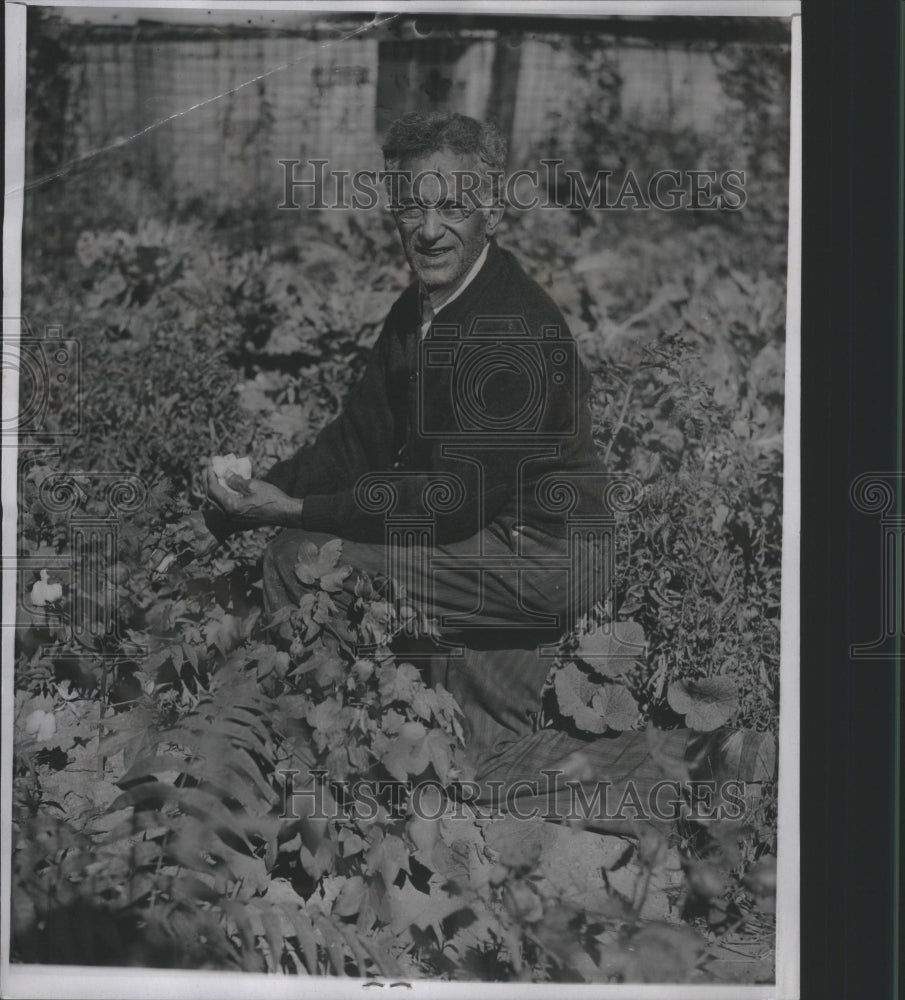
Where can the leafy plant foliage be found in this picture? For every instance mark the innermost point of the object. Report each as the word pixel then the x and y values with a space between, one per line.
pixel 193 806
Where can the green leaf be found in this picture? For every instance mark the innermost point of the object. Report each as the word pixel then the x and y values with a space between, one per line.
pixel 574 693
pixel 190 653
pixel 706 704
pixel 327 665
pixel 321 861
pixel 290 904
pixel 251 957
pixel 350 897
pixel 411 907
pixel 224 634
pixel 307 567
pixel 351 843
pixel 337 763
pixel 320 565
pixel 392 721
pixel 616 706
pixel 376 621
pixel 398 683
pixel 294 706
pixel 388 857
pixel 274 934
pixel 520 843
pixel 613 649
pixel 306 609
pixel 333 580
pixel 438 748
pixel 424 702
pixel 324 609
pixel 325 715
pixel 404 757
pixel 447 706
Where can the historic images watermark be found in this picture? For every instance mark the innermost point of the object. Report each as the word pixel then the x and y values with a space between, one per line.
pixel 552 186
pixel 74 593
pixel 46 367
pixel 881 493
pixel 317 798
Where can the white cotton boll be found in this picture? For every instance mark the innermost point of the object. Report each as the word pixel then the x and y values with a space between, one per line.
pixel 33 722
pixel 220 463
pixel 224 466
pixel 44 592
pixel 40 724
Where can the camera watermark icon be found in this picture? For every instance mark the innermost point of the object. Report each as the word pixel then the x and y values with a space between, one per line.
pixel 47 370
pixel 87 574
pixel 881 493
pixel 498 382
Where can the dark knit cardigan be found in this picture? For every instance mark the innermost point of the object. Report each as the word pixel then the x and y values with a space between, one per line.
pixel 401 417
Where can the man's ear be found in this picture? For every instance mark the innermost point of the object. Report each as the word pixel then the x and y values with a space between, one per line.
pixel 493 219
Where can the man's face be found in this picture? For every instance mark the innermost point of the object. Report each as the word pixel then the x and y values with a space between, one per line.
pixel 439 247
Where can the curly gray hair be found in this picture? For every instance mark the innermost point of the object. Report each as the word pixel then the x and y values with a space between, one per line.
pixel 416 134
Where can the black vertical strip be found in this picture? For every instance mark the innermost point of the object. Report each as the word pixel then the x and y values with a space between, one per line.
pixel 850 387
pixel 873 445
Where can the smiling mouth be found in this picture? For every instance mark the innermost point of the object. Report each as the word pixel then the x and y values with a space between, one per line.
pixel 433 252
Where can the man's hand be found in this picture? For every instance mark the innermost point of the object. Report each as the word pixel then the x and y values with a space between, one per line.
pixel 254 502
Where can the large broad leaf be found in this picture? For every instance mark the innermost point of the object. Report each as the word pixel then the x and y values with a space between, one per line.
pixel 223 632
pixel 616 706
pixel 404 757
pixel 410 907
pixel 321 861
pixel 320 565
pixel 706 704
pixel 613 649
pixel 388 856
pixel 520 843
pixel 438 747
pixel 326 663
pixel 325 716
pixel 350 897
pixel 398 683
pixel 574 694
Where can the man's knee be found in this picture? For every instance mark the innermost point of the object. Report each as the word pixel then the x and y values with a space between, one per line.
pixel 282 553
pixel 281 585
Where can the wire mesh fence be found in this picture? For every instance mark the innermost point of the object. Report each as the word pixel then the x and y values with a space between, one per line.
pixel 206 114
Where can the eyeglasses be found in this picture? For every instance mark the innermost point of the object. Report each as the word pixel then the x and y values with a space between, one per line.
pixel 447 212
